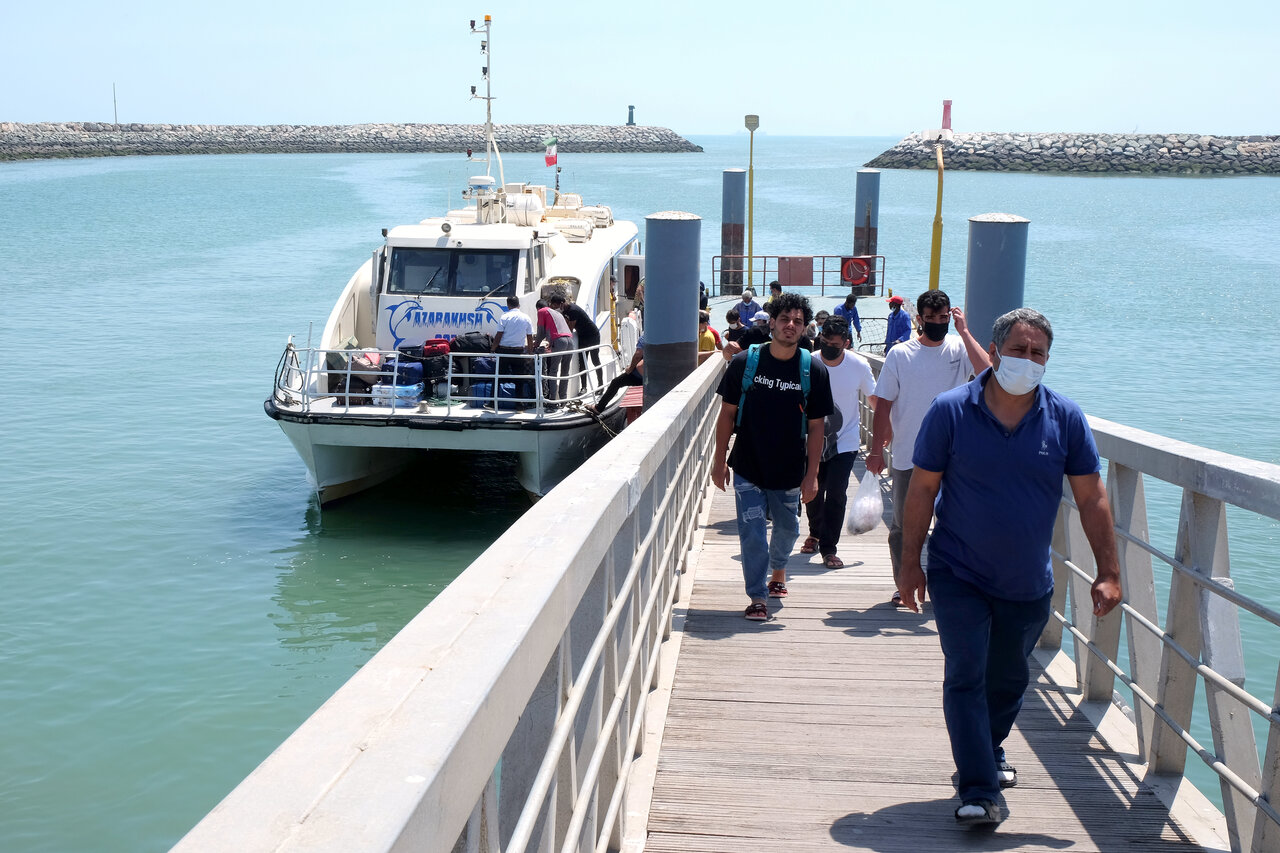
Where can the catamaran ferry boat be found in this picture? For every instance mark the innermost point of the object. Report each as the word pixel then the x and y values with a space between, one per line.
pixel 405 364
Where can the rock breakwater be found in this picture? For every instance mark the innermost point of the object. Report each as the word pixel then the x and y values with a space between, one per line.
pixel 92 139
pixel 1147 153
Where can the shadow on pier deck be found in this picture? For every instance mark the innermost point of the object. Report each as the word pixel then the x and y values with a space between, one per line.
pixel 822 729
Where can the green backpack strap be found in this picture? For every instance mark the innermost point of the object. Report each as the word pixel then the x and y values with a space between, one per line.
pixel 749 375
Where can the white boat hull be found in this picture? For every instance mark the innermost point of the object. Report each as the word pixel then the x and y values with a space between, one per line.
pixel 345 458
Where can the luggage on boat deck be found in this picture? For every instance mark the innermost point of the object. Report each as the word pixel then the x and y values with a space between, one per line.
pixel 354 392
pixel 484 390
pixel 483 365
pixel 435 346
pixel 474 341
pixel 403 395
pixel 404 372
pixel 435 367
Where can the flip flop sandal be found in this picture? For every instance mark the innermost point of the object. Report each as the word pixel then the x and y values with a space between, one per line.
pixel 757 612
pixel 777 589
pixel 1007 774
pixel 831 561
pixel 810 546
pixel 978 813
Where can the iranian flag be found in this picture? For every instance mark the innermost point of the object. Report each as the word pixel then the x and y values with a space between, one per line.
pixel 550 143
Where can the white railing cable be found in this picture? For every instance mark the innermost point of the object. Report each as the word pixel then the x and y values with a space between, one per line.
pixel 1238 693
pixel 690 489
pixel 1209 758
pixel 549 767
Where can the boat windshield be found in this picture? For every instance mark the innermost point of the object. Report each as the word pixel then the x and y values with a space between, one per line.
pixel 454 272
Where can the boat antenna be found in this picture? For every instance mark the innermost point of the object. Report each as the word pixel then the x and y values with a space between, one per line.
pixel 490 144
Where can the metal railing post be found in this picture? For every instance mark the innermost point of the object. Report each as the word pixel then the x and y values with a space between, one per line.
pixel 1129 507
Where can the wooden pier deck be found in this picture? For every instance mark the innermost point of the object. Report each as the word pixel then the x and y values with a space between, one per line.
pixel 822 729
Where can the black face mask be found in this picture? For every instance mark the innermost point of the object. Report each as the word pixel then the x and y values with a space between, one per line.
pixel 831 351
pixel 935 331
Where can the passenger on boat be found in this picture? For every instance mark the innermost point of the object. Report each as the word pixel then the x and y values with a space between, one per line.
pixel 704 298
pixel 708 338
pixel 634 375
pixel 588 334
pixel 748 307
pixel 516 328
pixel 993 454
pixel 850 375
pixel 849 311
pixel 774 400
pixel 899 326
pixel 554 329
pixel 913 374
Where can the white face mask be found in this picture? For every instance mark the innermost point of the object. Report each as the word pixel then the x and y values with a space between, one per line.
pixel 1018 376
pixel 735 325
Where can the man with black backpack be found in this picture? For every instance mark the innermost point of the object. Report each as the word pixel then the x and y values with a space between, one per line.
pixel 774 399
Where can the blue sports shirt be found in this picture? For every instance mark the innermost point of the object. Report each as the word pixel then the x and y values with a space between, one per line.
pixel 1000 489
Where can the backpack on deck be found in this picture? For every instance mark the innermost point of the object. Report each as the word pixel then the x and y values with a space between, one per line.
pixel 749 375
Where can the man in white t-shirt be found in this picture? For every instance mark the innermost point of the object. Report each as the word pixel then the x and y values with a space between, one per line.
pixel 849 374
pixel 914 373
pixel 515 338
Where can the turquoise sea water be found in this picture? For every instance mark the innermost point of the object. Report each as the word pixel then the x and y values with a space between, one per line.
pixel 176 602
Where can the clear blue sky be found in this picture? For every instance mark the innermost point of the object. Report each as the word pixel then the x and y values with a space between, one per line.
pixel 696 66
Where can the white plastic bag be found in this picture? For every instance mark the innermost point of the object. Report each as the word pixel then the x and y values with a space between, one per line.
pixel 867 507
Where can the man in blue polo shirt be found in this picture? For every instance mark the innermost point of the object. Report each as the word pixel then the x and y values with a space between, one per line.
pixel 993 453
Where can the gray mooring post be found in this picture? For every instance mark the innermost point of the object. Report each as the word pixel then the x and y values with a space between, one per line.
pixel 996 272
pixel 866 216
pixel 673 244
pixel 733 217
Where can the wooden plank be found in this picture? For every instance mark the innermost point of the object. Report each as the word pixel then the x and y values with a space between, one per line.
pixel 822 729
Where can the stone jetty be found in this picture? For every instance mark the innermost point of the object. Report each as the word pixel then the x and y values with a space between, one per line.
pixel 92 139
pixel 1141 153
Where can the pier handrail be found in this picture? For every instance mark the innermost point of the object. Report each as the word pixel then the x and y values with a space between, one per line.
pixel 1200 642
pixel 507 714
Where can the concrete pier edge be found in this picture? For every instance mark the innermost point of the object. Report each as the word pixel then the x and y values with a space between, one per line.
pixel 1107 153
pixel 47 140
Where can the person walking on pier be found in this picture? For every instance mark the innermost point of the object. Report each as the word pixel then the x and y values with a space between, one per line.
pixel 748 307
pixel 898 329
pixel 993 454
pixel 849 374
pixel 849 311
pixel 774 399
pixel 913 374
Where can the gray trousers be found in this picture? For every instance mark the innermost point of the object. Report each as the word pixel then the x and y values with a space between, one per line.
pixel 901 480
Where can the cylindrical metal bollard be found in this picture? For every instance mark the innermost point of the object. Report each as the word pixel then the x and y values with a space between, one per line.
pixel 866 216
pixel 733 217
pixel 996 273
pixel 673 243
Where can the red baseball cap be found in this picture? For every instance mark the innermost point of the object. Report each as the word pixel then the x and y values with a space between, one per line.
pixel 895 300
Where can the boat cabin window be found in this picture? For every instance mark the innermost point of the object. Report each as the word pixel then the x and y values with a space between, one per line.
pixel 454 272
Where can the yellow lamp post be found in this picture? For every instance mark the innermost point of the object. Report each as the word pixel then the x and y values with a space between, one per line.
pixel 752 123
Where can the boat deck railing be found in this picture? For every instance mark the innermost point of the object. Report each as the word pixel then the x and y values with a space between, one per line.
pixel 307 380
pixel 509 714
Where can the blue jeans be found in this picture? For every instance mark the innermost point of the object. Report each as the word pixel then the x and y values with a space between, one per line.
pixel 760 553
pixel 986 642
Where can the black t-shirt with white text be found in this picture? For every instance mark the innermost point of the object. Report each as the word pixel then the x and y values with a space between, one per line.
pixel 770 450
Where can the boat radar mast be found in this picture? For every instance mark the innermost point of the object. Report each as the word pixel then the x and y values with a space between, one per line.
pixel 490 144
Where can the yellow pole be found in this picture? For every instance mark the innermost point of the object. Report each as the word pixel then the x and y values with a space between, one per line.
pixel 751 192
pixel 935 255
pixel 752 122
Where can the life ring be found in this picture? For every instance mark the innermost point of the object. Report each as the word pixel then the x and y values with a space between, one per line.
pixel 855 271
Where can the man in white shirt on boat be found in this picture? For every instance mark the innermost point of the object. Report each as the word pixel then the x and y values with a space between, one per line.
pixel 914 373
pixel 516 329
